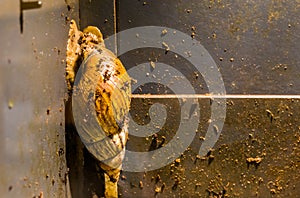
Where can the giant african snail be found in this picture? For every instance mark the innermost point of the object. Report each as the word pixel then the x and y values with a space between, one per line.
pixel 101 99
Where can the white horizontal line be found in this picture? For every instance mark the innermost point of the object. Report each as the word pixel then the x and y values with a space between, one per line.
pixel 233 96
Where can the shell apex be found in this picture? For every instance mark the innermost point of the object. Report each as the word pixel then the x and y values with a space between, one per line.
pixel 95 31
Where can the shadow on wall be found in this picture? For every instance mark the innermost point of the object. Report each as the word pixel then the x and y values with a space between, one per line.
pixel 85 176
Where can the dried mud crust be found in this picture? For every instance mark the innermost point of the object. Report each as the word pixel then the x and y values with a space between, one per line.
pixel 79 45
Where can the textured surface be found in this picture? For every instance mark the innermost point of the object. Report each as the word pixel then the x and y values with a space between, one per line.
pixel 32 93
pixel 256 46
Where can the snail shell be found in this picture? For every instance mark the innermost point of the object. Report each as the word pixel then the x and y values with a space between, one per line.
pixel 100 107
pixel 101 97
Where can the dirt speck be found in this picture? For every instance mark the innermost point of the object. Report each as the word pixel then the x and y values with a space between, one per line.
pixel 48 111
pixel 141 185
pixel 253 161
pixel 164 32
pixel 157 178
pixel 152 64
pixel 193 34
pixel 214 35
pixel 166 47
pixel 188 11
pixel 270 115
pixel 10 104
pixel 157 189
pixel 177 162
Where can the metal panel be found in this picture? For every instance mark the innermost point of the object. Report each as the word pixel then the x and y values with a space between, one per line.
pixel 256 47
pixel 32 136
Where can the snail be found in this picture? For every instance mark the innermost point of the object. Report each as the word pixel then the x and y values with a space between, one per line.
pixel 100 89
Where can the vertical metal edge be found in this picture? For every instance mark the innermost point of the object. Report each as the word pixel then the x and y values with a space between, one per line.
pixel 73 14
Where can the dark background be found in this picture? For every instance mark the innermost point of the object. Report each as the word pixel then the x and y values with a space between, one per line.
pixel 256 47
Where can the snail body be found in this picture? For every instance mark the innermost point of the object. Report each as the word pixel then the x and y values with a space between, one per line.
pixel 100 100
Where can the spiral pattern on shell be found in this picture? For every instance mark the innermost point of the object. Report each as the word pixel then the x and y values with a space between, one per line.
pixel 100 95
pixel 104 102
